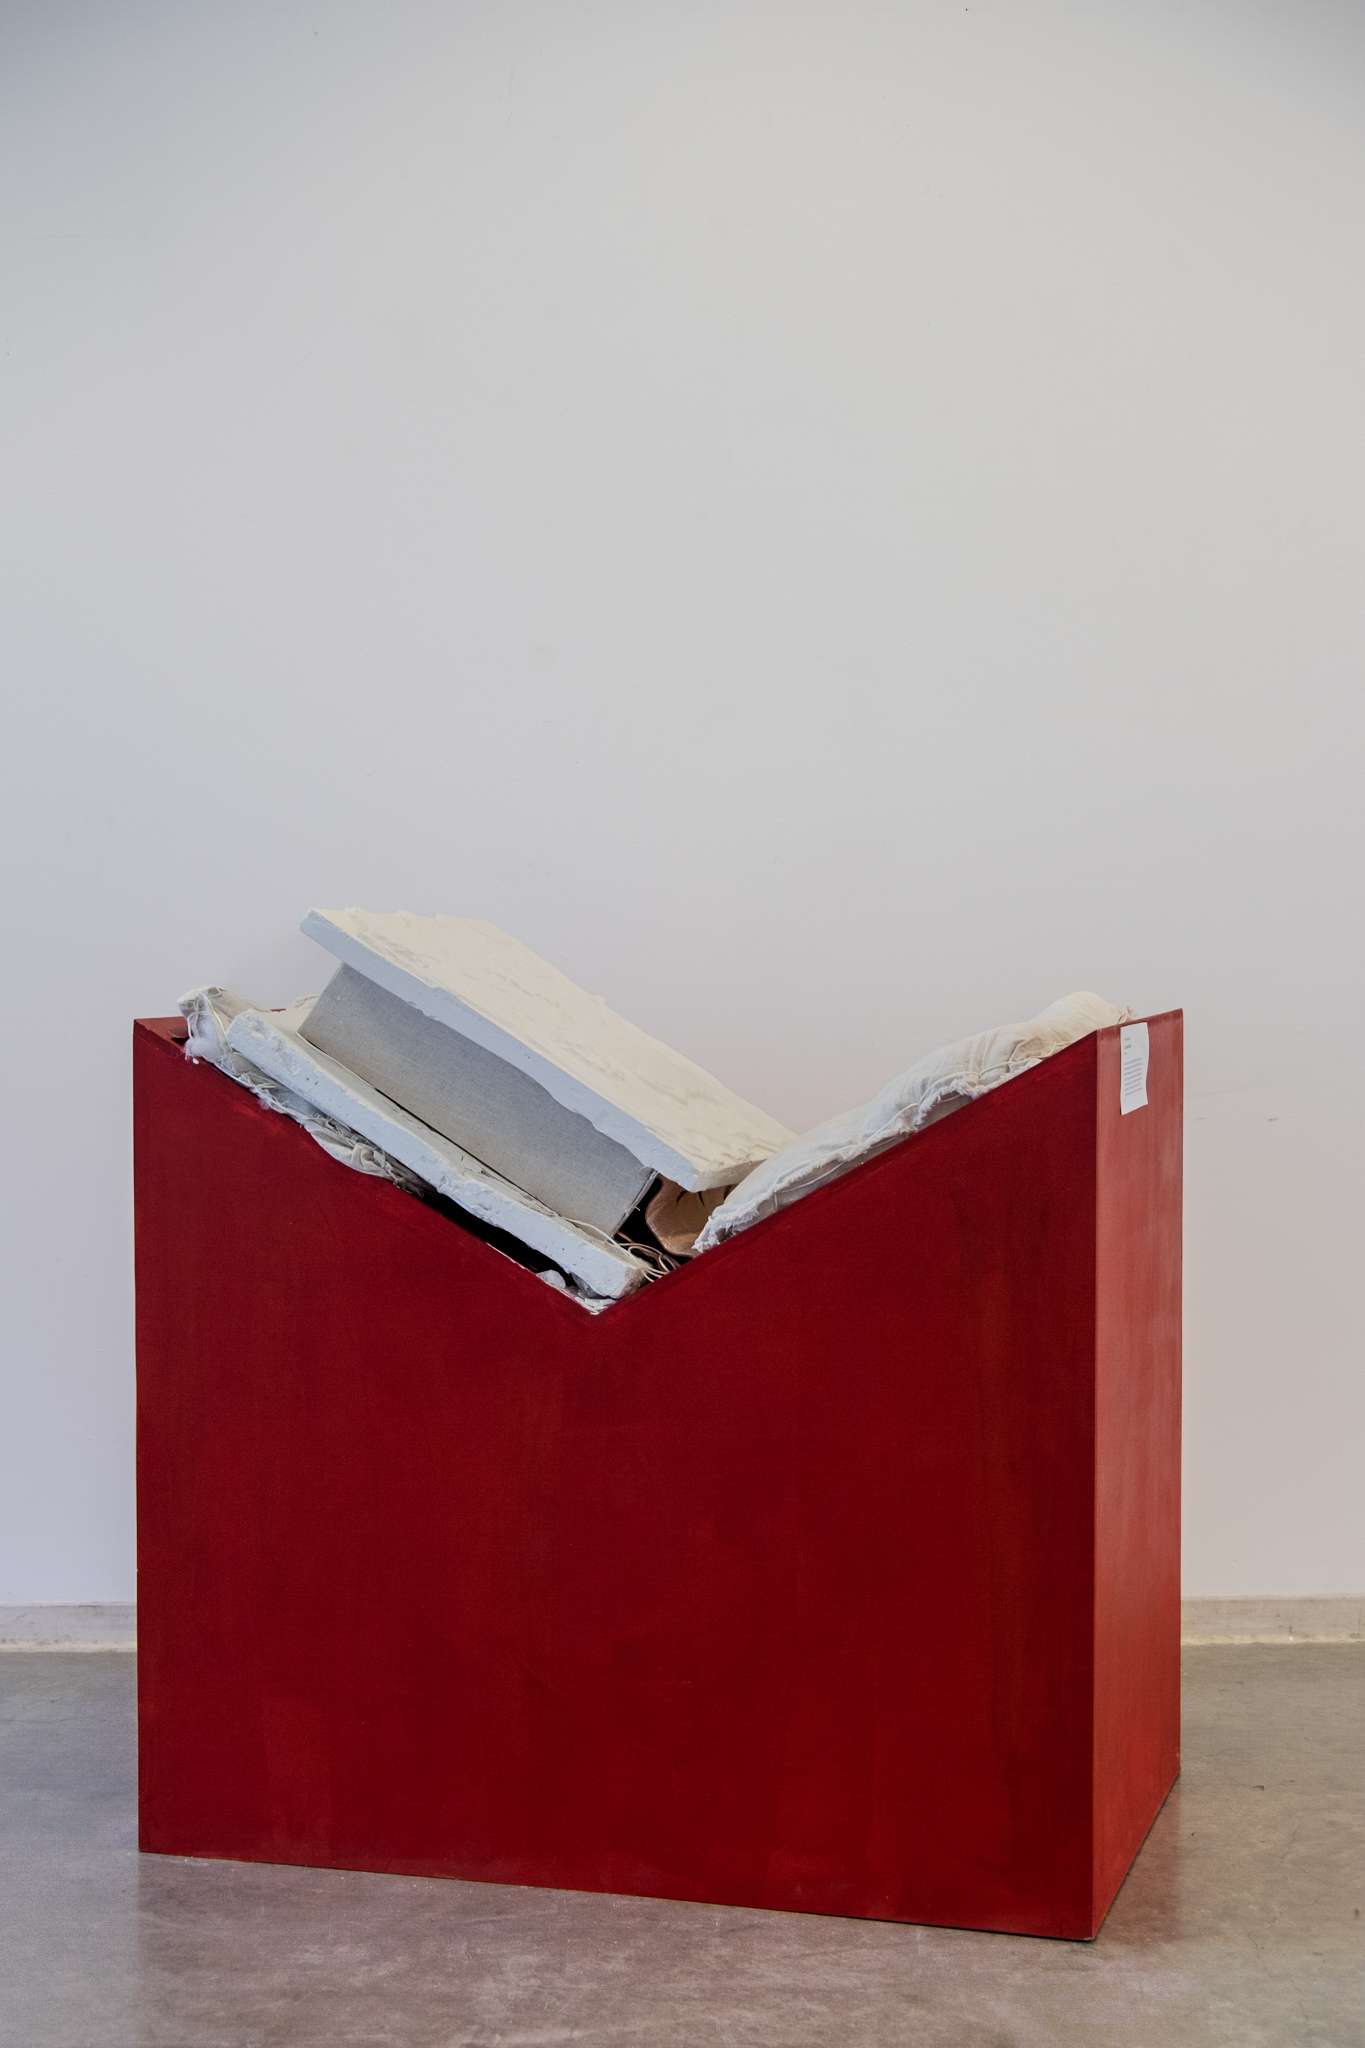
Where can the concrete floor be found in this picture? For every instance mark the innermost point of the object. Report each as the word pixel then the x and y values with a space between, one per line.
pixel 1240 1922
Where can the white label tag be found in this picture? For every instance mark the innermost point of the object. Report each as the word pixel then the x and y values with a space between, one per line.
pixel 1132 1068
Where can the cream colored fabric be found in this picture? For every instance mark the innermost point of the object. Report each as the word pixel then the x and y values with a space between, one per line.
pixel 932 1088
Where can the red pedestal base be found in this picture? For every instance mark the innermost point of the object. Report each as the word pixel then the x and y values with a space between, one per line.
pixel 837 1572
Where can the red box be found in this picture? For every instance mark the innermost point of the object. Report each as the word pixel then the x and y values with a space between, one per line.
pixel 837 1572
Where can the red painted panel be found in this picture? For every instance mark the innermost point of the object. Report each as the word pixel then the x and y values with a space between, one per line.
pixel 775 1585
pixel 1137 1462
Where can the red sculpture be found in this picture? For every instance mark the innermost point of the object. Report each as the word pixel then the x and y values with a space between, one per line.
pixel 837 1571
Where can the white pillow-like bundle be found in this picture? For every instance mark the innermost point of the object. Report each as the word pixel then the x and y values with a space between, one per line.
pixel 933 1087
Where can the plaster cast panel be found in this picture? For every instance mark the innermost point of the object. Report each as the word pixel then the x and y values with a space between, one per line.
pixel 672 1115
pixel 486 1105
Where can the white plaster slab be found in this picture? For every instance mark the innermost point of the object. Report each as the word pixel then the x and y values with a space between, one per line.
pixel 270 1040
pixel 672 1115
pixel 483 1104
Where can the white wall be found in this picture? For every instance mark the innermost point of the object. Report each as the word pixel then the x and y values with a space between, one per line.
pixel 835 522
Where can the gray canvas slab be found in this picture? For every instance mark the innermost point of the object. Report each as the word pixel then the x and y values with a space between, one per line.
pixel 466 974
pixel 470 1095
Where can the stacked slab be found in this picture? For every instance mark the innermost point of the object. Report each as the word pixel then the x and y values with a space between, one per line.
pixel 537 1087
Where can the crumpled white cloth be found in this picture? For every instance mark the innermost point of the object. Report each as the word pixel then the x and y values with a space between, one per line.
pixel 932 1088
pixel 208 1012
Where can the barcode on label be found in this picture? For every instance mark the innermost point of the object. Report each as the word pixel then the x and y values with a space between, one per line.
pixel 1132 1068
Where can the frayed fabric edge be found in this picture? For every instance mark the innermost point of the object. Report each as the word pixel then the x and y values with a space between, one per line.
pixel 843 1161
pixel 856 1151
pixel 208 1012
